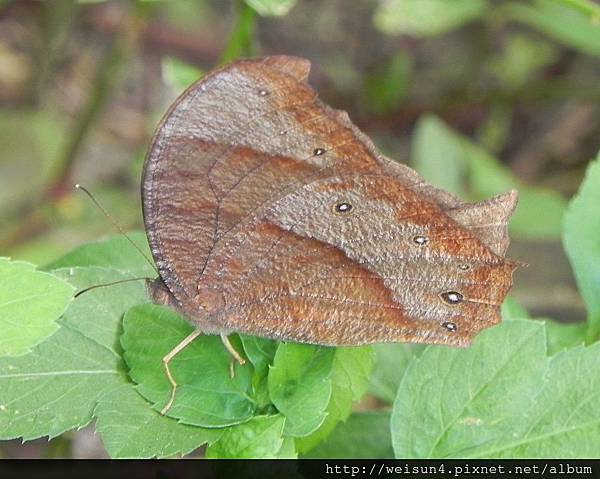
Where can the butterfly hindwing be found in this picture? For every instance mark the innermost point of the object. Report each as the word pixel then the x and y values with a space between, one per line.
pixel 270 213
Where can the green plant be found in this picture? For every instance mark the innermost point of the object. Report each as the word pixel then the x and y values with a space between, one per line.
pixel 98 357
pixel 526 388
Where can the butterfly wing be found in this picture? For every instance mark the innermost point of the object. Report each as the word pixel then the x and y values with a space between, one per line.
pixel 232 143
pixel 240 194
pixel 393 268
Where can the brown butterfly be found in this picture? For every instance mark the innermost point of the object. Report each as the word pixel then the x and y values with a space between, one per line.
pixel 269 213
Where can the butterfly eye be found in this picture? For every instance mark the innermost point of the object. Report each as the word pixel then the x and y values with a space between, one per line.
pixel 343 207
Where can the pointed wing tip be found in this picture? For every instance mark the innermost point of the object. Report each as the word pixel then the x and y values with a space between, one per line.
pixel 508 199
pixel 513 197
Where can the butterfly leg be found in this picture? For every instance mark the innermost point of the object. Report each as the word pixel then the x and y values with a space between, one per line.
pixel 167 359
pixel 234 354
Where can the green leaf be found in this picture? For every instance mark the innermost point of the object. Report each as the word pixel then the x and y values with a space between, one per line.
pixel 206 394
pixel 179 74
pixel 424 18
pixel 539 213
pixel 570 26
pixel 437 155
pixel 349 381
pixel 56 387
pixel 272 8
pixel 494 132
pixel 588 7
pixel 365 435
pixel 288 449
pixel 501 397
pixel 560 336
pixel 259 438
pixel 300 386
pixel 97 313
pixel 511 309
pixel 564 418
pixel 260 352
pixel 391 361
pixel 113 252
pixel 30 303
pixel 581 233
pixel 241 41
pixel 473 395
pixel 385 89
pixel 131 429
pixel 563 336
pixel 522 56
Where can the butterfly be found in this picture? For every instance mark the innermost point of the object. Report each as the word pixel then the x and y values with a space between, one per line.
pixel 269 213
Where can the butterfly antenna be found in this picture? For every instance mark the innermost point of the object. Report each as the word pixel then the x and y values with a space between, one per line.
pixel 85 290
pixel 116 225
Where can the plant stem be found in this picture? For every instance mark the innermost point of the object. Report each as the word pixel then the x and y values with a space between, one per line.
pixel 241 41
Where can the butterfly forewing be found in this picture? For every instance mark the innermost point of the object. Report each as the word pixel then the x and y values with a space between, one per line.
pixel 271 214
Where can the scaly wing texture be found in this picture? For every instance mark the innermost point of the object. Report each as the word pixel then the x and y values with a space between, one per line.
pixel 230 145
pixel 240 192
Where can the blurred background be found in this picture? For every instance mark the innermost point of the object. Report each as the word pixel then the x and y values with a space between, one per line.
pixel 480 96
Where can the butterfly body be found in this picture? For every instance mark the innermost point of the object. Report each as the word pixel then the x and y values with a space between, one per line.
pixel 271 214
